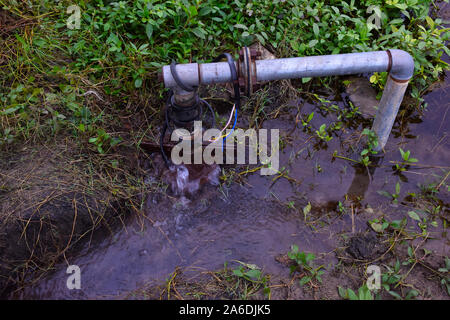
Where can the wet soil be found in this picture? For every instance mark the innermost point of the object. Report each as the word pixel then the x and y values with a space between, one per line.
pixel 46 208
pixel 256 219
pixel 259 218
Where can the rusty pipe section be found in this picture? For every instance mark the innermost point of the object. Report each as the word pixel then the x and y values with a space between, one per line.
pixel 398 63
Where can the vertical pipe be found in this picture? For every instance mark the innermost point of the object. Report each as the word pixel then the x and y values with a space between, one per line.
pixel 387 109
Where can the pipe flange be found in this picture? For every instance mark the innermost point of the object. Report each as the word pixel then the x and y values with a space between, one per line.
pixel 245 66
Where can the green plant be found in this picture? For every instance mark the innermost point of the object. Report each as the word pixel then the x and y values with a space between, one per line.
pixel 121 45
pixel 406 160
pixel 103 141
pixel 304 261
pixel 445 281
pixel 341 208
pixel 421 222
pixel 305 123
pixel 363 293
pixel 392 279
pixel 372 143
pixel 379 79
pixel 380 225
pixel 393 196
pixel 322 133
pixel 251 279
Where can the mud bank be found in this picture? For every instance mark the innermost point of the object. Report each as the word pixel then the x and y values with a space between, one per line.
pixel 48 203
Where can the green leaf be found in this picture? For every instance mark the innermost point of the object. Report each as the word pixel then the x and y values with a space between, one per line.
pixel 343 293
pixel 312 43
pixel 316 29
pixel 396 224
pixel 307 209
pixel 254 274
pixel 397 188
pixel 205 11
pixel 240 26
pixel 11 110
pixel 377 227
pixel 414 215
pixel 304 280
pixel 193 11
pixel 310 257
pixel 352 295
pixel 199 32
pixel 238 272
pixel 410 252
pixel 322 127
pixel 138 82
pixel 412 294
pixel 149 30
pixel 395 295
pixel 306 79
pixel 384 193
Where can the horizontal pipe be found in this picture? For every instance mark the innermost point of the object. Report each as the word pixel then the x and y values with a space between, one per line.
pixel 398 63
pixel 194 74
pixel 321 66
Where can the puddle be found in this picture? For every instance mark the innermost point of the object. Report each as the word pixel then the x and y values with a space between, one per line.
pixel 253 222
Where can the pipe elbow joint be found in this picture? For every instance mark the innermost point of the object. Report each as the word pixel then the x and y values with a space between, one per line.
pixel 402 65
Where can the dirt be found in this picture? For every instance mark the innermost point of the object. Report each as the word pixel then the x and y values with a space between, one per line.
pixel 185 236
pixel 256 219
pixel 46 208
pixel 8 23
pixel 363 95
pixel 363 247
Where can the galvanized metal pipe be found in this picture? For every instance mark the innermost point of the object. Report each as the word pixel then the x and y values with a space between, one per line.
pixel 398 63
pixel 321 66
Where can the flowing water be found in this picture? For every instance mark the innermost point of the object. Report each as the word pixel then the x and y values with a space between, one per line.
pixel 254 221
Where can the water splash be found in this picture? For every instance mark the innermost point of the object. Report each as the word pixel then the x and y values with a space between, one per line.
pixel 186 180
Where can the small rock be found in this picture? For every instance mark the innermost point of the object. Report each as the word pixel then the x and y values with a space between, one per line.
pixel 362 247
pixel 363 96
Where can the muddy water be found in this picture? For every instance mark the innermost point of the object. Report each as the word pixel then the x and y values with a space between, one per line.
pixel 255 221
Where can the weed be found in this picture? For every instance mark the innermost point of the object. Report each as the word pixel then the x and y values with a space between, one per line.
pixel 380 225
pixel 445 281
pixel 304 262
pixel 406 160
pixel 421 222
pixel 372 143
pixel 392 278
pixel 393 196
pixel 322 133
pixel 363 293
pixel 249 278
pixel 305 123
